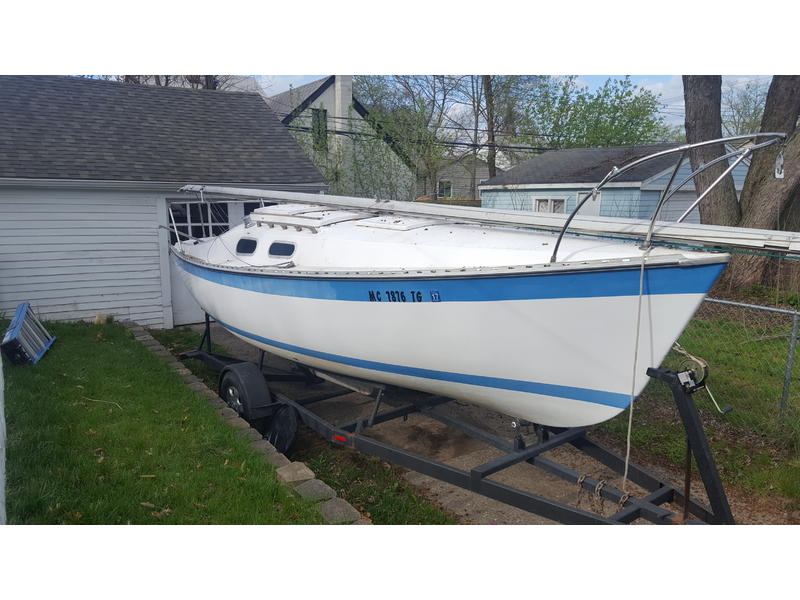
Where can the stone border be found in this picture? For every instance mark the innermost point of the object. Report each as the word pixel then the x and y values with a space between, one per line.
pixel 295 475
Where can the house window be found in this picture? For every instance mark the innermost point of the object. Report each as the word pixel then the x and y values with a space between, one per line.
pixel 319 129
pixel 550 205
pixel 445 188
pixel 198 220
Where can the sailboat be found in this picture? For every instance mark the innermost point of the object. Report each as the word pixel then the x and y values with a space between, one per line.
pixel 552 319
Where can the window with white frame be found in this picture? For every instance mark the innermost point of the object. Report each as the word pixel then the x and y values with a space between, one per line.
pixel 550 205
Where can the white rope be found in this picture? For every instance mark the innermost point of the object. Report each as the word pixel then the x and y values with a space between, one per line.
pixel 635 369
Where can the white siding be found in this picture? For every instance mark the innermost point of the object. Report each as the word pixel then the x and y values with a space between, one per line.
pixel 74 254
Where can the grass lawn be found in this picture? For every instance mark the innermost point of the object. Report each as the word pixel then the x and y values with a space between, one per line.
pixel 369 484
pixel 754 449
pixel 101 431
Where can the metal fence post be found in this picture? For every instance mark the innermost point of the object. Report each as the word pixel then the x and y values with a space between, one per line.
pixel 787 378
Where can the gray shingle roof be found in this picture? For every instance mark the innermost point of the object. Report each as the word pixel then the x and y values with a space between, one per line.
pixel 586 165
pixel 54 127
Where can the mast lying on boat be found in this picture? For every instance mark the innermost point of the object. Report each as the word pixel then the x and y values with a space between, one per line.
pixel 714 236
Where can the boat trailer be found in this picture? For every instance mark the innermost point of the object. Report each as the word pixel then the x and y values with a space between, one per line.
pixel 243 385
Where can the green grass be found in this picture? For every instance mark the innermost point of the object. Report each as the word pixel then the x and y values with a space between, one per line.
pixel 369 484
pixel 101 431
pixel 755 450
pixel 376 488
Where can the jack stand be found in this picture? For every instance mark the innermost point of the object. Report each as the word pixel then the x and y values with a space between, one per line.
pixel 682 387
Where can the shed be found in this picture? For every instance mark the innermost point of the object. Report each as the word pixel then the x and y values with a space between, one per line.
pixel 87 171
pixel 554 181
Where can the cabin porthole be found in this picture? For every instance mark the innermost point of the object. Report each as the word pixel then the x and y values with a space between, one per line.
pixel 281 249
pixel 246 246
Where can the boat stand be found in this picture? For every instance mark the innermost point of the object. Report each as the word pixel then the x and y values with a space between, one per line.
pixel 649 507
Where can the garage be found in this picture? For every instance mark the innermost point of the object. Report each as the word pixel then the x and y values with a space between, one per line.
pixel 88 169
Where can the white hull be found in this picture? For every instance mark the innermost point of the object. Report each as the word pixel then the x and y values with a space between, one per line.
pixel 558 361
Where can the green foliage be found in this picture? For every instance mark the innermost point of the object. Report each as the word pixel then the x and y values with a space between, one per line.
pixel 101 431
pixel 358 163
pixel 753 448
pixel 562 115
pixel 373 486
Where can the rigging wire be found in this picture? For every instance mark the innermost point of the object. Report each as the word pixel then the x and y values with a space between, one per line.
pixel 635 369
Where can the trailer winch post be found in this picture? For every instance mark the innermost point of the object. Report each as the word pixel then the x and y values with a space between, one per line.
pixel 697 445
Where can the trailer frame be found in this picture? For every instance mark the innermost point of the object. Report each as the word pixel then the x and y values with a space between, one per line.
pixel 630 508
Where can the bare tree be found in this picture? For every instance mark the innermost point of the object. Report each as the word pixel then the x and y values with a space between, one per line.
pixel 743 106
pixel 207 82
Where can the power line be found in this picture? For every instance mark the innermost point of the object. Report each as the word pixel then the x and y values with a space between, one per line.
pixel 445 143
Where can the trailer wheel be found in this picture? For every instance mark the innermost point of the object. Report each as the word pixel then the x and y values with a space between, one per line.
pixel 242 387
pixel 282 428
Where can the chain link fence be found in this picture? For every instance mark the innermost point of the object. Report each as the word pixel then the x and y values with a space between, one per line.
pixel 751 353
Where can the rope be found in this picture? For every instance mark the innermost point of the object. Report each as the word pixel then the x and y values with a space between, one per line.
pixel 635 369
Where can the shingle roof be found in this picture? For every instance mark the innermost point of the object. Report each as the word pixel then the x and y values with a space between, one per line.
pixel 54 127
pixel 586 165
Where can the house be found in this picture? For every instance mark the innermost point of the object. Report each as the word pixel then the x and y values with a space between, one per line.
pixel 553 181
pixel 356 155
pixel 88 169
pixel 457 180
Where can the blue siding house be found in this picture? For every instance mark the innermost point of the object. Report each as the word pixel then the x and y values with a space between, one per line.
pixel 555 180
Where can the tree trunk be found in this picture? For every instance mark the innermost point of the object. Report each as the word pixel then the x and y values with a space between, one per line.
pixel 491 157
pixel 210 82
pixel 702 96
pixel 771 197
pixel 780 115
pixel 766 202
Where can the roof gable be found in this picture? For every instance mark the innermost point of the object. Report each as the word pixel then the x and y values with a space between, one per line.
pixel 74 128
pixel 290 104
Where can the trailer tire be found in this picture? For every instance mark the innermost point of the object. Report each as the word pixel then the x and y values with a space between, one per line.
pixel 243 388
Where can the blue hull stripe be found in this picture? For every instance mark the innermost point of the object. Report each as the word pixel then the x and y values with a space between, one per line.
pixel 532 387
pixel 588 284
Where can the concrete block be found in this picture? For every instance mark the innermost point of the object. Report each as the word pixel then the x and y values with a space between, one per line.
pixel 237 422
pixel 264 446
pixel 314 489
pixel 227 412
pixel 277 460
pixel 216 401
pixel 294 473
pixel 249 433
pixel 338 512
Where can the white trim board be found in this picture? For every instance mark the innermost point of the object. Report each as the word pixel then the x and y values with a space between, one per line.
pixel 548 186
